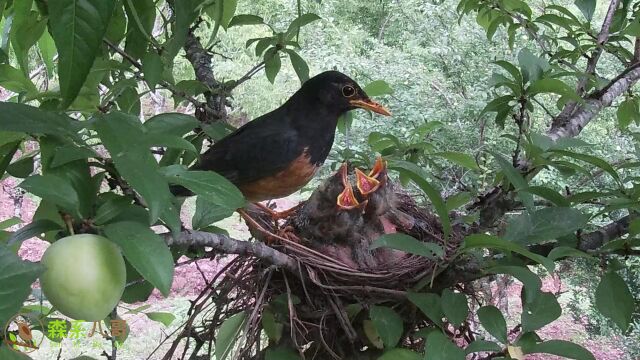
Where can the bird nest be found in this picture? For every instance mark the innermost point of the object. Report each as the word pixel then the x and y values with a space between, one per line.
pixel 329 237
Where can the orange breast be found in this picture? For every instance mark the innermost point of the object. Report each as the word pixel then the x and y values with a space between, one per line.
pixel 282 184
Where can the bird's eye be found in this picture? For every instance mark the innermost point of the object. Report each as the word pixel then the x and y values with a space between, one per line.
pixel 348 91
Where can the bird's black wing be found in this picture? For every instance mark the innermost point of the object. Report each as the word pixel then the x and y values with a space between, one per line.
pixel 259 149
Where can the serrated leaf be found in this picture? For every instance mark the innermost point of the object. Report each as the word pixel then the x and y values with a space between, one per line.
pixel 400 354
pixel 162 317
pixel 543 310
pixel 54 189
pixel 462 159
pixel 482 346
pixel 171 124
pixel 408 244
pixel 455 307
pixel 416 174
pixel 627 113
pixel 554 86
pixel 28 119
pixel 121 135
pixel 593 160
pixel 548 194
pixel 141 15
pixel 545 225
pixel 388 324
pixel 110 209
pixel 516 179
pixel 16 277
pixel 587 7
pixel 14 80
pixel 430 305
pixel 246 19
pixel 208 185
pixel 35 228
pixel 565 251
pixel 492 320
pixel 299 22
pixel 532 66
pixel 439 347
pixel 77 27
pixel 562 348
pixel 493 242
pixel 272 64
pixel 228 334
pixel 208 212
pixel 145 250
pixel 152 68
pixel 299 65
pixel 614 300
pixel 21 168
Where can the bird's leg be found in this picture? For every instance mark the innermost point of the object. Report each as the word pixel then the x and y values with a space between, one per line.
pixel 346 199
pixel 278 215
pixel 252 223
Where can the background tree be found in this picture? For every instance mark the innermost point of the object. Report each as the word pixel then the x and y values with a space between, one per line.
pixel 90 125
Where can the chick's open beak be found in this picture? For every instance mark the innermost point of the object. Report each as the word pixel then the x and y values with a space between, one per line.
pixel 371 105
pixel 346 199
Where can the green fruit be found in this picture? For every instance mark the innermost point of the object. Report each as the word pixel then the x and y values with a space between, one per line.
pixel 84 276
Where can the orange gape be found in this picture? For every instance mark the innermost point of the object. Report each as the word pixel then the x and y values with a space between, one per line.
pixel 283 183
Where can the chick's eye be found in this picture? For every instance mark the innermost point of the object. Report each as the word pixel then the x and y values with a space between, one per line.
pixel 348 91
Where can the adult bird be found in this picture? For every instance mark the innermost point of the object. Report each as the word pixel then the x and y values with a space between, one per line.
pixel 279 152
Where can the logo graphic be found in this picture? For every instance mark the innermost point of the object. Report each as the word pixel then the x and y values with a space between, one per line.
pixel 18 334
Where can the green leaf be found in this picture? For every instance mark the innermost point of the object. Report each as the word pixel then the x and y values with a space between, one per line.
pixel 516 179
pixel 554 86
pixel 439 347
pixel 464 160
pixel 36 228
pixel 595 161
pixel 493 321
pixel 543 310
pixel 400 354
pixel 208 212
pixel 246 19
pixel 162 317
pixel 548 194
pixel 69 153
pixel 455 307
pixel 110 209
pixel 77 27
pixel 587 7
pixel 614 300
pixel 634 227
pixel 299 65
pixel 489 241
pixel 416 174
pixel 21 168
pixel 545 225
pixel 145 250
pixel 121 135
pixel 529 280
pixel 228 334
pixel 27 119
pixel 208 185
pixel 531 65
pixel 511 69
pixel 430 305
pixel 296 24
pixel 482 346
pixel 378 88
pixel 171 124
pixel 388 324
pixel 281 353
pixel 562 348
pixel 271 326
pixel 408 244
pixel 627 113
pixel 565 251
pixel 54 189
pixel 16 277
pixel 186 12
pixel 142 16
pixel 14 80
pixel 152 68
pixel 272 64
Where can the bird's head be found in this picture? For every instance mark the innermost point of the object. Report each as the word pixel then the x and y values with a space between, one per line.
pixel 335 90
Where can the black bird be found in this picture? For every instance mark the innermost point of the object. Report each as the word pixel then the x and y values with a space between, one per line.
pixel 278 153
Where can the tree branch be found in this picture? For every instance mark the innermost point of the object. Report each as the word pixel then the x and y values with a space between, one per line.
pixel 612 231
pixel 229 245
pixel 594 104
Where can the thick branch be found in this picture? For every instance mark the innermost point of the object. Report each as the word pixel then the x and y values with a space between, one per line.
pixel 229 245
pixel 594 104
pixel 200 59
pixel 612 231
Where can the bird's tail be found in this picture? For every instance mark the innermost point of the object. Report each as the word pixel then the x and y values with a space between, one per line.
pixel 178 190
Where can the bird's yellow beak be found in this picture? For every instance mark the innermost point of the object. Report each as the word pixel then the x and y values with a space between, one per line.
pixel 371 105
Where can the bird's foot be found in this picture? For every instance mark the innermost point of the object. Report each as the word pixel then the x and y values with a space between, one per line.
pixel 288 233
pixel 269 237
pixel 278 215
